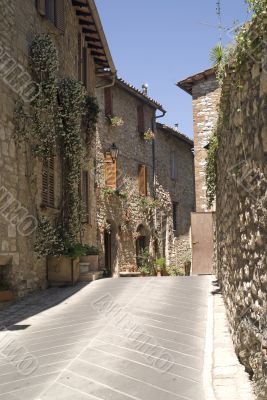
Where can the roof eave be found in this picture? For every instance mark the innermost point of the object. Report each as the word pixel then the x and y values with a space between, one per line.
pixel 176 134
pixel 139 95
pixel 188 83
pixel 102 35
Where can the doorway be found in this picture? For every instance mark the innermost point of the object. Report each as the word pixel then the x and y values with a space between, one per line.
pixel 108 255
pixel 202 243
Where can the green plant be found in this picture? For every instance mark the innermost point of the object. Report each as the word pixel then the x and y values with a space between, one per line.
pixel 211 169
pixel 148 202
pixel 114 192
pixel 174 270
pixel 91 250
pixel 49 241
pixel 4 286
pixel 71 97
pixel 73 250
pixel 160 263
pixel 115 122
pixel 216 54
pixel 257 6
pixel 145 262
pixel 90 117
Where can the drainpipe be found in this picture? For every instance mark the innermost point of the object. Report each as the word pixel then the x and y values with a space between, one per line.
pixel 154 123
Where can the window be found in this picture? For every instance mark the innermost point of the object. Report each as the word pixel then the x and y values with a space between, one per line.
pixel 85 194
pixel 174 216
pixel 108 102
pixel 173 166
pixel 110 172
pixel 52 10
pixel 141 119
pixel 142 180
pixel 48 183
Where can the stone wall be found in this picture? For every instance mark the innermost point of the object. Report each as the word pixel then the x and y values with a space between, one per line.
pixel 125 215
pixel 242 214
pixel 206 95
pixel 20 172
pixel 179 190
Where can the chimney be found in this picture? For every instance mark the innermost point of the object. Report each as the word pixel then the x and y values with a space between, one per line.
pixel 145 89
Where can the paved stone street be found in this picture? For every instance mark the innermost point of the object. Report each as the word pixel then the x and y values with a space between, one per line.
pixel 113 339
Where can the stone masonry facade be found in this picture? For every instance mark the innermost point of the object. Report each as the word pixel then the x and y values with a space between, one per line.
pixel 206 94
pixel 129 219
pixel 241 220
pixel 20 172
pixel 175 187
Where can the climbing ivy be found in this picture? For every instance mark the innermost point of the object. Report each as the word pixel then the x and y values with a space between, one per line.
pixel 248 47
pixel 71 97
pixel 54 121
pixel 211 169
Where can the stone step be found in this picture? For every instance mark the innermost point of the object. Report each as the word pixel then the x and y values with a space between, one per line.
pixel 91 276
pixel 85 268
pixel 129 274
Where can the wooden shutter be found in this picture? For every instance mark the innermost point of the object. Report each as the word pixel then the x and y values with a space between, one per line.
pixel 142 180
pixel 141 119
pixel 84 66
pixel 41 7
pixel 48 183
pixel 108 102
pixel 85 193
pixel 50 10
pixel 59 15
pixel 110 172
pixel 80 56
pixel 173 166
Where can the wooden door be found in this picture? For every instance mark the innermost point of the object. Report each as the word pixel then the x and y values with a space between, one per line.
pixel 108 261
pixel 202 243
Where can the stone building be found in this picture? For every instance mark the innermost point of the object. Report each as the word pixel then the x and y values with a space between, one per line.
pixel 175 188
pixel 137 195
pixel 241 216
pixel 31 189
pixel 205 92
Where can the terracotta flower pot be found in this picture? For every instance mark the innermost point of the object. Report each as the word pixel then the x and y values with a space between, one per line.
pixel 6 295
pixel 62 270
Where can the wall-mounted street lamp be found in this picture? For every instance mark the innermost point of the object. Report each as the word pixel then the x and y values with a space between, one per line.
pixel 114 151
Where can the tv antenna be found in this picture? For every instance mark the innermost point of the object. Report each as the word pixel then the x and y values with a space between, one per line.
pixel 219 14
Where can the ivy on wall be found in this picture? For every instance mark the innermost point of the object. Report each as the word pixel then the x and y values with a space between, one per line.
pixel 53 122
pixel 248 47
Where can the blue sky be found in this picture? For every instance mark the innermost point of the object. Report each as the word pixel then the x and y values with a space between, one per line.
pixel 161 42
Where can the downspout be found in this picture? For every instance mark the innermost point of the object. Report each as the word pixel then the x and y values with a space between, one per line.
pixel 154 123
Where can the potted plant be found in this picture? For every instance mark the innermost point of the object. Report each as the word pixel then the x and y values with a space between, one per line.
pixel 6 293
pixel 64 268
pixel 160 266
pixel 149 135
pixel 115 121
pixel 90 256
pixel 144 263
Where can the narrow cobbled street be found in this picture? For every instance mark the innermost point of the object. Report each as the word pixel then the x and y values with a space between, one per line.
pixel 113 339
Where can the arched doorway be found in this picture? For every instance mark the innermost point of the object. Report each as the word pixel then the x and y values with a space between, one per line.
pixel 110 248
pixel 142 241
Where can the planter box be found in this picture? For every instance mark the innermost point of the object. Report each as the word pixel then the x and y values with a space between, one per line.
pixel 92 262
pixel 6 295
pixel 62 270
